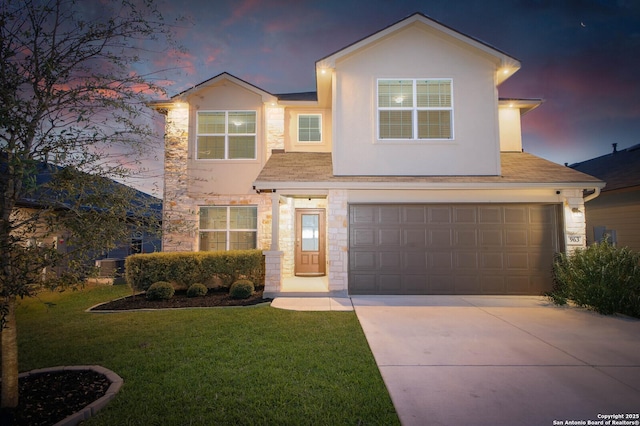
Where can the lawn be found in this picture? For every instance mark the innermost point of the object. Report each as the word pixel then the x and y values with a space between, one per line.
pixel 218 366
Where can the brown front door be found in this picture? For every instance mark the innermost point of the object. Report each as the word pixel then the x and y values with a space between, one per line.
pixel 310 242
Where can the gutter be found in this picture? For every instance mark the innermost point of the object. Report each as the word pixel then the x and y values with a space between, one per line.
pixel 284 186
pixel 595 194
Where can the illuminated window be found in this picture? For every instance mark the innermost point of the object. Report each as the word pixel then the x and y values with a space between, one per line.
pixel 228 228
pixel 226 135
pixel 415 109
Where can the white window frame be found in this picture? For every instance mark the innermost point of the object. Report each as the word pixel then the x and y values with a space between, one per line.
pixel 228 228
pixel 226 135
pixel 319 127
pixel 414 110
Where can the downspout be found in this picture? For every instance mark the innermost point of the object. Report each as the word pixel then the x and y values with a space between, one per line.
pixel 596 193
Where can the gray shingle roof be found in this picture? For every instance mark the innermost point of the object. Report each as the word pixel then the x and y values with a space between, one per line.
pixel 619 169
pixel 516 168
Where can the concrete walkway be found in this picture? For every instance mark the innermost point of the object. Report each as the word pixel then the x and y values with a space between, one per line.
pixel 313 303
pixel 478 360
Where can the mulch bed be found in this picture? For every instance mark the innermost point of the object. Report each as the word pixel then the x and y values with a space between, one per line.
pixel 45 399
pixel 180 300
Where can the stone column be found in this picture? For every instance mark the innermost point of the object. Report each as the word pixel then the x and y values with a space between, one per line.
pixel 275 221
pixel 338 240
pixel 273 272
pixel 574 220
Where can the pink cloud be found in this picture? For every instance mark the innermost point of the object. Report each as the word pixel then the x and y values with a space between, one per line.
pixel 175 58
pixel 240 11
pixel 212 55
pixel 282 25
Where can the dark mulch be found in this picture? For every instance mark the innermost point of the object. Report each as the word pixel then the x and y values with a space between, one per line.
pixel 180 300
pixel 47 398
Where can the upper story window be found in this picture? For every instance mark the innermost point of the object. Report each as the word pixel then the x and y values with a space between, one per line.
pixel 415 109
pixel 310 128
pixel 226 135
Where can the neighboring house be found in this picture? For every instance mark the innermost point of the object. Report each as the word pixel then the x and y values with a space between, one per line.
pixel 403 173
pixel 110 261
pixel 616 212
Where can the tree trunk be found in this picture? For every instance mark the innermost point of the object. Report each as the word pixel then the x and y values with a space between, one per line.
pixel 10 357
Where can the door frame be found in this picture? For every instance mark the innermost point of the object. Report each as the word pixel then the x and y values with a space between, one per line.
pixel 322 231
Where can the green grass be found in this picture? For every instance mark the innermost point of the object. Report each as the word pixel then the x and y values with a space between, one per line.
pixel 245 366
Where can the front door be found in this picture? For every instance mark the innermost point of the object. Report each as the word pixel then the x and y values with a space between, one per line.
pixel 310 242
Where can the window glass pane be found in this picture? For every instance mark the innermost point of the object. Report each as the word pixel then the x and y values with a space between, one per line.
pixel 396 125
pixel 210 147
pixel 213 218
pixel 242 240
pixel 242 122
pixel 243 217
pixel 242 147
pixel 213 241
pixel 211 122
pixel 310 232
pixel 433 93
pixel 434 124
pixel 395 93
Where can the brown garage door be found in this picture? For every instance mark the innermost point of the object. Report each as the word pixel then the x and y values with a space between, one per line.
pixel 452 249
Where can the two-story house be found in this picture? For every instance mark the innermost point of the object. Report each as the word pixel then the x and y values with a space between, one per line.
pixel 403 174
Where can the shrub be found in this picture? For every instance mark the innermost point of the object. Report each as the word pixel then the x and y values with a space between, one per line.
pixel 160 290
pixel 241 289
pixel 185 268
pixel 197 290
pixel 601 277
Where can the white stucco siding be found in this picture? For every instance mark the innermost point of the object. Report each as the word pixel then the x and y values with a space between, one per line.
pixel 510 129
pixel 291 120
pixel 217 177
pixel 416 53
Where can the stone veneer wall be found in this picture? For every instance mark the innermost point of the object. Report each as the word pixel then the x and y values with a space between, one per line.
pixel 275 128
pixel 338 240
pixel 179 223
pixel 574 224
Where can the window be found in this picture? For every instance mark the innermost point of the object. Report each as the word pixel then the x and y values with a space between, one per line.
pixel 226 135
pixel 310 128
pixel 228 228
pixel 415 109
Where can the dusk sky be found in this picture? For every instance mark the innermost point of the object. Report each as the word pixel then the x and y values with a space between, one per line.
pixel 581 56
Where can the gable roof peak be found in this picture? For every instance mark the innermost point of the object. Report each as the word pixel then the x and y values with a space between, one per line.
pixel 505 60
pixel 266 96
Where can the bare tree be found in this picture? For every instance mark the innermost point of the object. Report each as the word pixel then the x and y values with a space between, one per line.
pixel 73 119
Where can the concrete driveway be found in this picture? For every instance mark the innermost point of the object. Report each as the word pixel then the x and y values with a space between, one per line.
pixel 478 360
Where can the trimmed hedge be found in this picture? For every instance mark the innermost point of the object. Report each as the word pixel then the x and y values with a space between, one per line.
pixel 220 268
pixel 601 277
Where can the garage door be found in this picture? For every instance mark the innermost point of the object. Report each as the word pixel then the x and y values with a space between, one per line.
pixel 452 249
